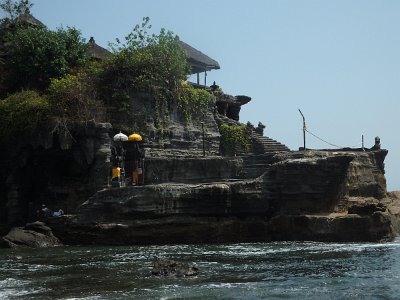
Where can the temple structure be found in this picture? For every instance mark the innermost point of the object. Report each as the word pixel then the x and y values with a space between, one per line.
pixel 183 187
pixel 199 62
pixel 95 51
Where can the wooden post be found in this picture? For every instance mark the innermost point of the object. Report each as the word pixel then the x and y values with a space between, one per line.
pixel 198 78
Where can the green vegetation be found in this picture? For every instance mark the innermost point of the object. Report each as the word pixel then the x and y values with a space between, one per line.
pixel 193 101
pixel 47 74
pixel 22 111
pixel 154 64
pixel 72 99
pixel 147 62
pixel 234 139
pixel 35 55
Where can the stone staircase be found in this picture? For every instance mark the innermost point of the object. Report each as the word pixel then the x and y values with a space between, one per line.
pixel 260 144
pixel 263 144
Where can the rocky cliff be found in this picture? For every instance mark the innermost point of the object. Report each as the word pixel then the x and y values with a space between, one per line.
pixel 300 196
pixel 270 194
pixel 59 170
pixel 62 169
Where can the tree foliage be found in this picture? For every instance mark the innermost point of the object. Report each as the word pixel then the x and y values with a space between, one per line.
pixel 73 99
pixel 55 64
pixel 22 111
pixel 146 60
pixel 155 64
pixel 35 55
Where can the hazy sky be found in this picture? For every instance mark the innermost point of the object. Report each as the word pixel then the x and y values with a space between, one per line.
pixel 338 61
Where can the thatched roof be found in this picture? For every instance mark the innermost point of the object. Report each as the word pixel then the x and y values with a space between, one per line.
pixel 28 19
pixel 95 51
pixel 25 19
pixel 198 61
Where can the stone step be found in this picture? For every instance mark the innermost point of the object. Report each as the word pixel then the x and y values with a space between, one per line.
pixel 263 144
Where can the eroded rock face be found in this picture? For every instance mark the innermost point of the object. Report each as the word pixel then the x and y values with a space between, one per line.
pixel 315 195
pixel 300 196
pixel 333 228
pixel 58 170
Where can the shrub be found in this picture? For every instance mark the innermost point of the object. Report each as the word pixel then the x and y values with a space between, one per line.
pixel 72 99
pixel 234 139
pixel 192 101
pixel 21 112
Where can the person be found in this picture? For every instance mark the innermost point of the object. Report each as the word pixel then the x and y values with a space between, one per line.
pixel 116 177
pixel 45 212
pixel 58 213
pixel 135 175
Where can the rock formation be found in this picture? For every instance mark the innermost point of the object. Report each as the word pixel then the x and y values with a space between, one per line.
pixel 166 267
pixel 58 170
pixel 309 195
pixel 191 194
pixel 33 235
pixel 269 194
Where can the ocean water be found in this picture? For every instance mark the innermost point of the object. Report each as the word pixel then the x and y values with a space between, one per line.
pixel 289 270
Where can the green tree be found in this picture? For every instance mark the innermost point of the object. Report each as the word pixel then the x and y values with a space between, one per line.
pixel 155 64
pixel 146 61
pixel 35 55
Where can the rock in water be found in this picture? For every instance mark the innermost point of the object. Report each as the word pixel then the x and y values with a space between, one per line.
pixel 166 267
pixel 33 235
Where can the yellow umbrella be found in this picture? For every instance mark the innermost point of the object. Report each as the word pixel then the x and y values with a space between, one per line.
pixel 135 137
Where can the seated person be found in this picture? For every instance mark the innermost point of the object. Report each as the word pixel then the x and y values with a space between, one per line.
pixel 58 213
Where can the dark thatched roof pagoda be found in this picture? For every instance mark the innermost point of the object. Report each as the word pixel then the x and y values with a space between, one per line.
pixel 198 61
pixel 28 19
pixel 97 52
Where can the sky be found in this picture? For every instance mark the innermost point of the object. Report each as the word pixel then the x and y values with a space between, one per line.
pixel 338 61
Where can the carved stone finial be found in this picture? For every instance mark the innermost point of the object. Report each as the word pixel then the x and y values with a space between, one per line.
pixel 377 145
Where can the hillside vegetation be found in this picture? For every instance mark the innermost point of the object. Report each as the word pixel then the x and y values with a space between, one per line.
pixel 47 76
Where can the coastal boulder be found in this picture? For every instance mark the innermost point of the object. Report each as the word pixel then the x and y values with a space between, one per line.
pixel 166 267
pixel 33 235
